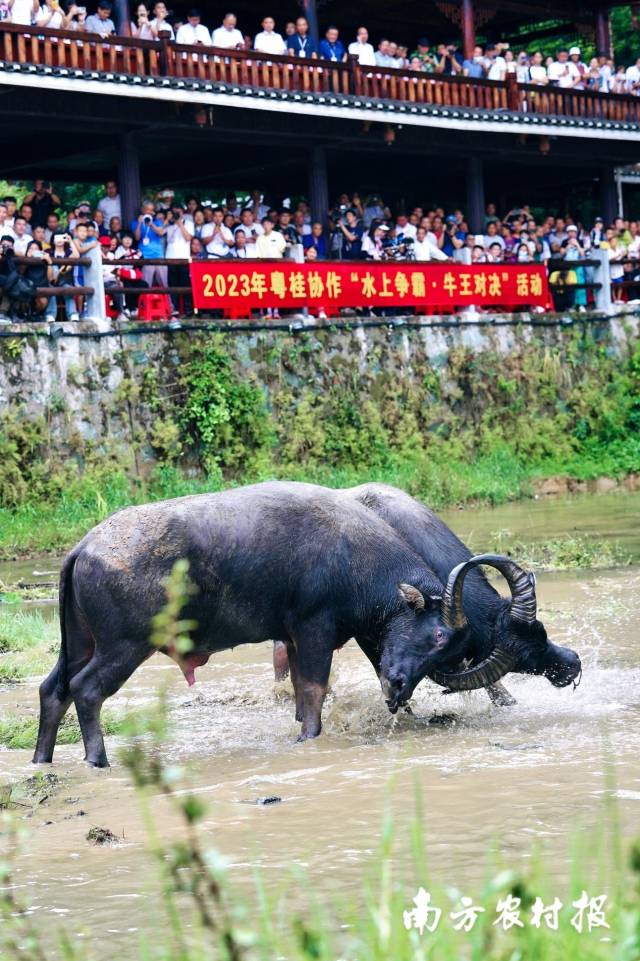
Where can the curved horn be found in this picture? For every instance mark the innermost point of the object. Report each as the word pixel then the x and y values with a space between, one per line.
pixel 522 585
pixel 484 674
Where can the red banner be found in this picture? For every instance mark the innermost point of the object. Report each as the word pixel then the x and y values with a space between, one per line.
pixel 253 284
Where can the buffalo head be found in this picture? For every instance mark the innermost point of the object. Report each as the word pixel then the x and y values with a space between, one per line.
pixel 520 642
pixel 417 642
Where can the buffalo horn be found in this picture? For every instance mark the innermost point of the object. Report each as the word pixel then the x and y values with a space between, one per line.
pixel 522 585
pixel 495 666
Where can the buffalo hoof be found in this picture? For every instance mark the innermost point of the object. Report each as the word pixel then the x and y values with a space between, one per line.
pixel 99 762
pixel 306 737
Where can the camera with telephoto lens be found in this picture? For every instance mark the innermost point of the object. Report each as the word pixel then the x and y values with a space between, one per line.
pixel 398 248
pixel 147 219
pixel 337 215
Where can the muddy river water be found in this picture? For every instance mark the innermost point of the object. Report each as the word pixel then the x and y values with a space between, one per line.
pixel 539 771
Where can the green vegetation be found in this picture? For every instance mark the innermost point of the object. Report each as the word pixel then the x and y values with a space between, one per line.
pixel 466 427
pixel 562 553
pixel 29 644
pixel 20 733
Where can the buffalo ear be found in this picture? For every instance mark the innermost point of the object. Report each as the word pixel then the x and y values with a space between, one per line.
pixel 412 596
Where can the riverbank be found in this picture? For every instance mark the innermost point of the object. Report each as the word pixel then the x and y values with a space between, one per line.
pixel 52 525
pixel 456 416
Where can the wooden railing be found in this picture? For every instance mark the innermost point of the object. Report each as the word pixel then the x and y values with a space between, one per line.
pixel 163 58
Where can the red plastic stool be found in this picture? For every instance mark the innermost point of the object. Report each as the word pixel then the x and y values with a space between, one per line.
pixel 109 307
pixel 154 307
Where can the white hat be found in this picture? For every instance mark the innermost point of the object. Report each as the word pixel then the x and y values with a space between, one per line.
pixel 574 52
pixel 572 227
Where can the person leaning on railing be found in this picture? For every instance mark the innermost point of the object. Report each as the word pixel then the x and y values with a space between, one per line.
pixel 100 22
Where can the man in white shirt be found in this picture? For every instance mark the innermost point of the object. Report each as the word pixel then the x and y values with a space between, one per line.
pixel 5 229
pixel 110 204
pixel 178 237
pixel 251 232
pixel 193 31
pixel 271 243
pixel 605 74
pixel 425 249
pixel 228 36
pixel 23 237
pixel 496 65
pixel 563 71
pixel 632 78
pixel 362 49
pixel 268 41
pixel 218 239
pixel 404 226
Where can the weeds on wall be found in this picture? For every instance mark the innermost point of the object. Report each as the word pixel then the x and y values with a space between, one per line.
pixel 316 406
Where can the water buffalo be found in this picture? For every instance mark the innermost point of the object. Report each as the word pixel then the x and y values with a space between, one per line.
pixel 286 560
pixel 505 635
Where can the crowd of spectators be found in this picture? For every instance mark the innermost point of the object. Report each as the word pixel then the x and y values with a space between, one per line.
pixel 566 69
pixel 247 227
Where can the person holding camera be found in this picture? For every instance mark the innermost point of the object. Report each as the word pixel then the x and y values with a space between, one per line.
pixel 453 237
pixel 8 273
pixel 352 234
pixel 179 235
pixel 76 18
pixel 449 60
pixel 62 248
pixel 149 230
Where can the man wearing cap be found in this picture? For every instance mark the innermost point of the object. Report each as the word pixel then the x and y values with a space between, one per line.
pixel 574 57
pixel 424 55
pixel 193 31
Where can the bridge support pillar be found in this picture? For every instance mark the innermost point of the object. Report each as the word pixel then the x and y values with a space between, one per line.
pixel 468 29
pixel 122 15
pixel 603 33
pixel 129 179
pixel 319 185
pixel 475 195
pixel 608 195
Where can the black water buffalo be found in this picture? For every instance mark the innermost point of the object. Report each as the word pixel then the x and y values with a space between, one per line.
pixel 505 636
pixel 286 560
